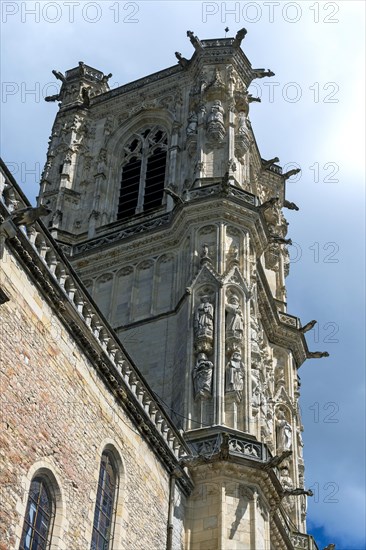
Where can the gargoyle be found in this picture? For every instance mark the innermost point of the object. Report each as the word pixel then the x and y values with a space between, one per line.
pixel 291 173
pixel 183 62
pixel 308 326
pixel 268 204
pixel 268 163
pixel 290 205
pixel 317 354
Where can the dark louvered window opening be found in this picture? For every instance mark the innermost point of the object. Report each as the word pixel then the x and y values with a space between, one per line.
pixel 143 173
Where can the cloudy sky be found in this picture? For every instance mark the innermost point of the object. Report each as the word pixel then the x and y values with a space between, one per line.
pixel 311 115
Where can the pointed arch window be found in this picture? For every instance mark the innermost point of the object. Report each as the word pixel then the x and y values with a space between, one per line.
pixel 39 517
pixel 105 506
pixel 143 172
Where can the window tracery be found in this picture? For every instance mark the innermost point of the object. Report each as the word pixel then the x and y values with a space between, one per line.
pixel 143 172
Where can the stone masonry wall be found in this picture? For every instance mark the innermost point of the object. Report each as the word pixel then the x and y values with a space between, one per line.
pixel 58 416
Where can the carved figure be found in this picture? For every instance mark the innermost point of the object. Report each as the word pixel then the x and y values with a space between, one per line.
pixel 55 97
pixel 28 216
pixel 217 113
pixel 255 334
pixel 203 321
pixel 300 442
pixel 59 75
pixel 308 326
pixel 317 354
pixel 102 160
pixel 202 376
pixel 268 204
pixel 234 317
pixel 256 389
pixel 280 240
pixel 268 163
pixel 85 95
pixel 280 376
pixel 183 62
pixel 205 253
pixel 192 123
pixel 276 460
pixel 290 205
pixel 176 198
pixel 82 68
pixel 240 35
pixel 242 123
pixel 298 491
pixel 194 40
pixel 106 77
pixel 290 173
pixel 283 432
pixel 252 99
pixel 235 374
pixel 261 73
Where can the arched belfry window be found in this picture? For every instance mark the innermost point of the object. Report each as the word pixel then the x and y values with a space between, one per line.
pixel 39 516
pixel 105 505
pixel 143 172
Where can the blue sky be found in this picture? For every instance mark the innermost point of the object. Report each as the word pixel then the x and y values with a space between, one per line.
pixel 311 115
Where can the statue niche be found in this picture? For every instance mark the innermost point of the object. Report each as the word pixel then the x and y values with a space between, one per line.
pixel 243 138
pixel 215 122
pixel 283 432
pixel 234 376
pixel 202 377
pixel 204 325
pixel 234 325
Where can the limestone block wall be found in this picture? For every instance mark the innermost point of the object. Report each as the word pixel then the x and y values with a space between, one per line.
pixel 227 511
pixel 58 417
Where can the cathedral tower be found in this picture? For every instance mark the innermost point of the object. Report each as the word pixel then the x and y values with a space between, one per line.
pixel 173 221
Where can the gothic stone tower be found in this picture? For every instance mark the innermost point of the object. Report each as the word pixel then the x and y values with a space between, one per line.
pixel 173 221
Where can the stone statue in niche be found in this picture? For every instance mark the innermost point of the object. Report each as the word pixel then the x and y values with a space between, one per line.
pixel 287 485
pixel 203 321
pixel 192 123
pixel 283 432
pixel 215 122
pixel 256 389
pixel 255 335
pixel 233 254
pixel 280 377
pixel 202 376
pixel 217 113
pixel 205 257
pixel 102 161
pixel 300 442
pixel 243 138
pixel 234 318
pixel 234 376
pixel 203 325
pixel 266 415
